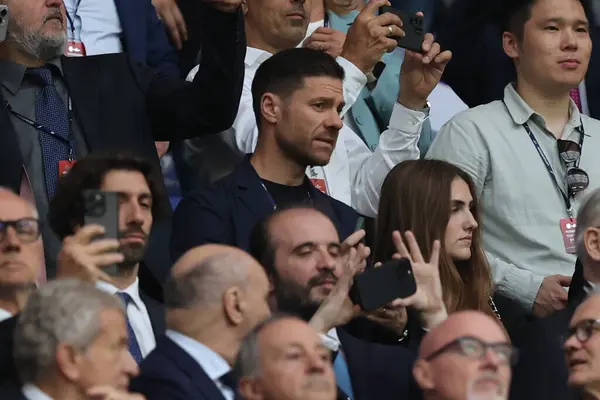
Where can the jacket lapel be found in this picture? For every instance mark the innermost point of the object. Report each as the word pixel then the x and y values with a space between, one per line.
pixel 10 155
pixel 251 191
pixel 83 81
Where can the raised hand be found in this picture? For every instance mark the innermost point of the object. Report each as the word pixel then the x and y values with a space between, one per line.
pixel 329 40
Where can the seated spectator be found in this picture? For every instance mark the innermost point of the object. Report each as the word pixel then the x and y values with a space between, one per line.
pixel 21 252
pixel 354 173
pixel 266 372
pixel 141 202
pixel 436 200
pixel 311 273
pixel 582 348
pixel 531 185
pixel 542 343
pixel 298 97
pixel 70 344
pixel 106 102
pixel 468 356
pixel 214 298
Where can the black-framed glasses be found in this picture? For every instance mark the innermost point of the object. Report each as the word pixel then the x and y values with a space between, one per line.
pixel 476 349
pixel 27 229
pixel 577 179
pixel 584 330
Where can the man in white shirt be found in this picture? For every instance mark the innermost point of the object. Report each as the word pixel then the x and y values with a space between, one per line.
pixel 266 375
pixel 216 295
pixel 527 157
pixel 71 344
pixel 354 174
pixel 21 252
pixel 136 183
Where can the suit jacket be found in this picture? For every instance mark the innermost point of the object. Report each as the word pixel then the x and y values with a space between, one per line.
pixel 169 373
pixel 227 211
pixel 11 390
pixel 377 370
pixel 541 372
pixel 8 371
pixel 144 37
pixel 471 27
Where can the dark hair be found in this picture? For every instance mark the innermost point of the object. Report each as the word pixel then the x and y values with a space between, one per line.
pixel 516 13
pixel 416 196
pixel 262 247
pixel 67 207
pixel 284 73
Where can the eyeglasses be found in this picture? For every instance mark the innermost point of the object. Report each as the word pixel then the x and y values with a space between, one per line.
pixel 27 229
pixel 577 179
pixel 584 330
pixel 476 349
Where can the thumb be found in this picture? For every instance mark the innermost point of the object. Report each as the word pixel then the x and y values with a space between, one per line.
pixel 563 280
pixel 374 5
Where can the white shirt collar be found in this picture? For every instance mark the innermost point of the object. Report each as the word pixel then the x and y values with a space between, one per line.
pixel 255 57
pixel 4 314
pixel 212 363
pixel 132 290
pixel 32 392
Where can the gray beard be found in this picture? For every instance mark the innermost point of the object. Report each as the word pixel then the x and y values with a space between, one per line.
pixel 45 48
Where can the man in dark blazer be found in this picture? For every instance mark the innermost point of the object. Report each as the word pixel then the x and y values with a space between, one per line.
pixel 473 27
pixel 541 371
pixel 104 102
pixel 216 295
pixel 288 90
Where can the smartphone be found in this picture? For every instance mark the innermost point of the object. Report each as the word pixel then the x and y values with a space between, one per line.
pixel 3 22
pixel 413 26
pixel 378 286
pixel 102 208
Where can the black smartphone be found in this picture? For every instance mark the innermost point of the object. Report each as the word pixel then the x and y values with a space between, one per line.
pixel 102 208
pixel 413 26
pixel 378 286
pixel 3 22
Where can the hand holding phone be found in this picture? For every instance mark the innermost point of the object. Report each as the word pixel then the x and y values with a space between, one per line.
pixel 413 26
pixel 102 208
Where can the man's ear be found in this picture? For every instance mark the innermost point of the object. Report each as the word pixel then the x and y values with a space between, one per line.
pixel 423 375
pixel 510 43
pixel 234 305
pixel 68 361
pixel 271 107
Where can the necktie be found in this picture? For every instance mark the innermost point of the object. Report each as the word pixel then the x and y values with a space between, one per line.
pixel 51 112
pixel 575 95
pixel 134 347
pixel 230 380
pixel 342 375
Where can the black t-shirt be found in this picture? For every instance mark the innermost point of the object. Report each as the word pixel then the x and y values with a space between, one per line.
pixel 285 196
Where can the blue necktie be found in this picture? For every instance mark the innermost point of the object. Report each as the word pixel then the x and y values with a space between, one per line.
pixel 342 375
pixel 134 347
pixel 51 112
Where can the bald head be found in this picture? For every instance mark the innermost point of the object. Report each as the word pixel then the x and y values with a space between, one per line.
pixel 12 206
pixel 467 354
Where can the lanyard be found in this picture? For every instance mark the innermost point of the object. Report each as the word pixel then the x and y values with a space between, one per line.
pixel 566 198
pixel 72 19
pixel 45 130
pixel 273 200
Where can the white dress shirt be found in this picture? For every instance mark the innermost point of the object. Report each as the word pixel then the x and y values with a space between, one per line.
pixel 354 174
pixel 137 314
pixel 4 314
pixel 97 25
pixel 32 392
pixel 212 363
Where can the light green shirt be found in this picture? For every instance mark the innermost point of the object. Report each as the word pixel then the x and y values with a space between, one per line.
pixel 521 205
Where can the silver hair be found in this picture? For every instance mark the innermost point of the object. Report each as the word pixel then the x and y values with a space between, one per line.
pixel 32 206
pixel 205 283
pixel 588 216
pixel 35 42
pixel 247 363
pixel 62 311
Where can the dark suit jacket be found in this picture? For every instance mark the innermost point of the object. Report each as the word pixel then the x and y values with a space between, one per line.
pixel 227 211
pixel 11 390
pixel 377 370
pixel 169 373
pixel 8 372
pixel 541 372
pixel 144 37
pixel 480 69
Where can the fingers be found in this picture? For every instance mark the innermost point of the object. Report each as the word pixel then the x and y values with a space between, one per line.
pixel 168 19
pixel 563 280
pixel 443 58
pixel 391 31
pixel 103 260
pixel 179 22
pixel 415 251
pixel 372 8
pixel 102 246
pixel 87 233
pixel 400 247
pixel 353 239
pixel 435 253
pixel 387 19
pixel 377 264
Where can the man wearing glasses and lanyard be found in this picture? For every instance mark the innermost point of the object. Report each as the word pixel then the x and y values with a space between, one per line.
pixel 533 155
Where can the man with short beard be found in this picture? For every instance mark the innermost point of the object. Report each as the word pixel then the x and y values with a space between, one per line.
pixel 137 184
